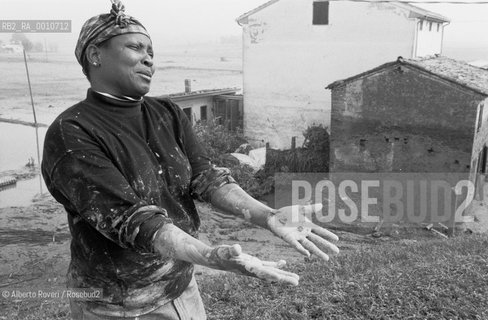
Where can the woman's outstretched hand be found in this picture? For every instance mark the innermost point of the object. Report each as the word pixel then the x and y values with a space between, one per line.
pixel 292 225
pixel 231 258
pixel 172 242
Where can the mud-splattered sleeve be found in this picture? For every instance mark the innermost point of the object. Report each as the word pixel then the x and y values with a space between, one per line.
pixel 81 177
pixel 206 177
pixel 204 184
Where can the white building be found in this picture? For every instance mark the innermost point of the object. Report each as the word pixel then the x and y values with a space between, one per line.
pixel 222 105
pixel 293 48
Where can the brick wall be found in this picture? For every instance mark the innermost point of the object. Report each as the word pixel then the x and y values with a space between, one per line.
pixel 402 120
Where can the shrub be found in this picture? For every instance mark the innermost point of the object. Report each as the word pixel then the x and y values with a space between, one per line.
pixel 219 141
pixel 317 139
pixel 313 156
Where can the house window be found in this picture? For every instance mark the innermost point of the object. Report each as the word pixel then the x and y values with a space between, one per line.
pixel 421 26
pixel 480 117
pixel 203 113
pixel 187 111
pixel 430 26
pixel 438 27
pixel 320 13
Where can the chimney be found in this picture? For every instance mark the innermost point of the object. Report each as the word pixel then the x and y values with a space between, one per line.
pixel 187 85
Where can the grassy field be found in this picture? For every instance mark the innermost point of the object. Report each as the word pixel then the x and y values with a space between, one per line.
pixel 400 279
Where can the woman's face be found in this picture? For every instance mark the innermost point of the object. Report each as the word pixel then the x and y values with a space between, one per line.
pixel 126 65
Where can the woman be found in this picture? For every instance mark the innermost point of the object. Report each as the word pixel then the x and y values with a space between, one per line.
pixel 126 168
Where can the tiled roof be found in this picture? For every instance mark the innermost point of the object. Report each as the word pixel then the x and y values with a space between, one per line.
pixel 456 71
pixel 415 12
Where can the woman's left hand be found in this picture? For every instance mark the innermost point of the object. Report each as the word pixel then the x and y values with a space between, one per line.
pixel 292 225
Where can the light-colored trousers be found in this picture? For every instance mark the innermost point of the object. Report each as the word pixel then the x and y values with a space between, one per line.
pixel 188 306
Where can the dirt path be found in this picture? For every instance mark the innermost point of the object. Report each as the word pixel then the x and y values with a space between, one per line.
pixel 37 236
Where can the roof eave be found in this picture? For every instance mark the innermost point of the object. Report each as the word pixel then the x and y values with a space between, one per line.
pixel 338 83
pixel 419 13
pixel 243 19
pixel 416 15
pixel 195 95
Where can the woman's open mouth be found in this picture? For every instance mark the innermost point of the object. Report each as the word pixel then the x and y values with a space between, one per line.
pixel 146 75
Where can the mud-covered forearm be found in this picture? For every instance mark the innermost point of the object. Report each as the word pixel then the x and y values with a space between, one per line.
pixel 172 242
pixel 230 198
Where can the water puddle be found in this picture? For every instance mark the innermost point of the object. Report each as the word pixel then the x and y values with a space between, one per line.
pixel 18 147
pixel 21 193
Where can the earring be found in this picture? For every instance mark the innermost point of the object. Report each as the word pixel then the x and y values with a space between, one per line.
pixel 95 64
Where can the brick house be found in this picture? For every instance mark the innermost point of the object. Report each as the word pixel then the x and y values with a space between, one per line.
pixel 411 115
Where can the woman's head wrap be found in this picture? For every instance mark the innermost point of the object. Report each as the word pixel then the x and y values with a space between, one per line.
pixel 105 26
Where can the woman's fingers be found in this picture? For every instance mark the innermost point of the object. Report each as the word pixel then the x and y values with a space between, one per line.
pixel 274 264
pixel 314 249
pixel 324 233
pixel 286 274
pixel 274 274
pixel 266 270
pixel 294 242
pixel 321 242
pixel 290 279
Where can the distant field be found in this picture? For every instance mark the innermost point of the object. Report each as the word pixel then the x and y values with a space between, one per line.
pixel 57 80
pixel 466 54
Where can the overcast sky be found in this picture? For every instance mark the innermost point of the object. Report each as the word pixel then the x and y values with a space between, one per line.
pixel 186 21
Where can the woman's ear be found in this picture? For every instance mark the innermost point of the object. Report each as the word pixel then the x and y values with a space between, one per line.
pixel 93 55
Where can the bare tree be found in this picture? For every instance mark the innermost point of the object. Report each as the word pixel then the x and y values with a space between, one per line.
pixel 22 38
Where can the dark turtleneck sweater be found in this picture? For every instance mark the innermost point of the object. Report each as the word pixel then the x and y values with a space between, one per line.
pixel 122 169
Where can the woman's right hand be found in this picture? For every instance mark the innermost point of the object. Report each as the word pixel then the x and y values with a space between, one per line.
pixel 231 258
pixel 172 242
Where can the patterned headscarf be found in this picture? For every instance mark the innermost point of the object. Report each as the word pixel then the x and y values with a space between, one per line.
pixel 105 26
